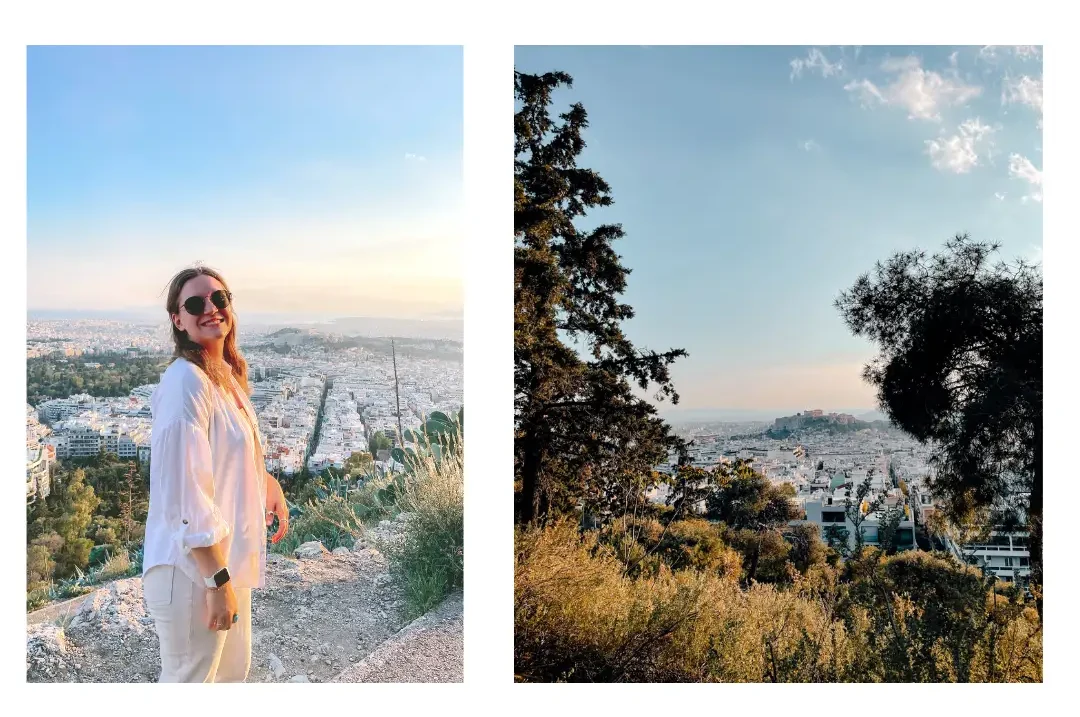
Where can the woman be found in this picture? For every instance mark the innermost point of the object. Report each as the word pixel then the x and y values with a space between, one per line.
pixel 205 545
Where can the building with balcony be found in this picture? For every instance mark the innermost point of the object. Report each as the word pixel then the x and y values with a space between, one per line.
pixel 828 512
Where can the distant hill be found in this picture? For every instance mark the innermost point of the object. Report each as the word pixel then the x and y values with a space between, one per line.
pixel 451 329
pixel 287 330
pixel 283 340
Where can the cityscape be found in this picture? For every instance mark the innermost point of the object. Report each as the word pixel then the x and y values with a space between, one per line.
pixel 317 402
pixel 822 466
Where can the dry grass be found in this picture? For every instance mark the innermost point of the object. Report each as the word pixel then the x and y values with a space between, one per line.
pixel 579 616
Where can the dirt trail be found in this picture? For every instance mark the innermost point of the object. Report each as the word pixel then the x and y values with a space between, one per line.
pixel 430 649
pixel 316 617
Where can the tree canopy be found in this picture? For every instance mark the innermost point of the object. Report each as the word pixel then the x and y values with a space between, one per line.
pixel 582 438
pixel 960 367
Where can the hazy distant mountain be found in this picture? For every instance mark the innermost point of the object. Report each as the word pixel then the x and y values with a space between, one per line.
pixel 686 415
pixel 452 329
pixel 872 416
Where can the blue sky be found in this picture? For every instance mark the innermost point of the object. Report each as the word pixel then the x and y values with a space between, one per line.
pixel 757 183
pixel 322 181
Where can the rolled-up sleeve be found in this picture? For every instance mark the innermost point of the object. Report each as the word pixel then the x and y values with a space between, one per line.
pixel 181 450
pixel 189 484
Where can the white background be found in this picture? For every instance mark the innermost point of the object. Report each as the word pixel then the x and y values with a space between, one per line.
pixel 488 30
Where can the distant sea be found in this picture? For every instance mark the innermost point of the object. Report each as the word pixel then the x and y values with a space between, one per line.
pixel 436 328
pixel 141 316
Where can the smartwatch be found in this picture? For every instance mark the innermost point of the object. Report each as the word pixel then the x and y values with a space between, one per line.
pixel 218 579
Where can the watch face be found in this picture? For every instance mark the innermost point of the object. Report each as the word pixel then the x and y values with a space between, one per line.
pixel 221 577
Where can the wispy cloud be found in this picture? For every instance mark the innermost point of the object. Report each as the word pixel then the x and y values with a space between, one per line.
pixel 960 152
pixel 1026 91
pixel 1000 196
pixel 410 157
pixel 815 60
pixel 1022 168
pixel 810 146
pixel 993 53
pixel 923 93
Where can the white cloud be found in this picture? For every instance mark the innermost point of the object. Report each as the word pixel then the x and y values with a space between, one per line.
pixel 1026 90
pixel 810 145
pixel 921 92
pixel 992 53
pixel 1022 168
pixel 960 152
pixel 1000 196
pixel 410 157
pixel 815 60
pixel 869 93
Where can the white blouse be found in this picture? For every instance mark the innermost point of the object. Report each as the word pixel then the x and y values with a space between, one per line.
pixel 207 481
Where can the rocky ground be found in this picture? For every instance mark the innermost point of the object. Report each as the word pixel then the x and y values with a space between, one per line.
pixel 429 649
pixel 319 614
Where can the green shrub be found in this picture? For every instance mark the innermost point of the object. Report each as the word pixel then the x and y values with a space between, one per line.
pixel 338 521
pixel 428 562
pixel 118 565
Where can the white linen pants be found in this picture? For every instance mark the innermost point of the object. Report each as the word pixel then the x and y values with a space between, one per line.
pixel 190 651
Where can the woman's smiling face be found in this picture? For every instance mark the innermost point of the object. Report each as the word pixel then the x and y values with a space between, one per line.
pixel 213 324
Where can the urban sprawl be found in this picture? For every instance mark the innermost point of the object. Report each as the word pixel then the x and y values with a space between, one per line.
pixel 823 467
pixel 297 385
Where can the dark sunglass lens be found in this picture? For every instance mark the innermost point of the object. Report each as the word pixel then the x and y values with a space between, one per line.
pixel 220 298
pixel 195 305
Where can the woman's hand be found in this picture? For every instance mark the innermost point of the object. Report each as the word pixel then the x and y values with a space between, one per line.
pixel 221 607
pixel 276 506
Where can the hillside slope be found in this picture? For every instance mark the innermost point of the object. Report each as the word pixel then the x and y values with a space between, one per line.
pixel 316 616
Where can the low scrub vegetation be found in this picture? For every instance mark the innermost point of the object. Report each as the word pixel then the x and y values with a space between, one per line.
pixel 428 562
pixel 640 603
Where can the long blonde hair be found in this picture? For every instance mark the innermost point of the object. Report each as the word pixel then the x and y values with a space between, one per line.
pixel 186 348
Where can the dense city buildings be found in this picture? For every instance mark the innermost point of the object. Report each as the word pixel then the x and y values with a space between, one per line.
pixel 825 466
pixel 318 399
pixel 39 457
pixel 95 336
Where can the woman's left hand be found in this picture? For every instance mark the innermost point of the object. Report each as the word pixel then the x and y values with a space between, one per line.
pixel 276 506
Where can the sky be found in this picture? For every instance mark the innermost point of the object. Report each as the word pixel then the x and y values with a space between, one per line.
pixel 757 183
pixel 321 181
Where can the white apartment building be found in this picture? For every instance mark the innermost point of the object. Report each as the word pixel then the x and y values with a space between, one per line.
pixel 1005 554
pixel 827 510
pixel 77 442
pixel 38 462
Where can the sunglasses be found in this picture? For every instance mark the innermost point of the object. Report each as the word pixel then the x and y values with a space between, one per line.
pixel 196 305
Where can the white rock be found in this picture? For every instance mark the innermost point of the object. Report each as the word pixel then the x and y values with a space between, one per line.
pixel 311 550
pixel 276 667
pixel 299 678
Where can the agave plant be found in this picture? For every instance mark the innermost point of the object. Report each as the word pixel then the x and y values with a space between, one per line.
pixel 438 436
